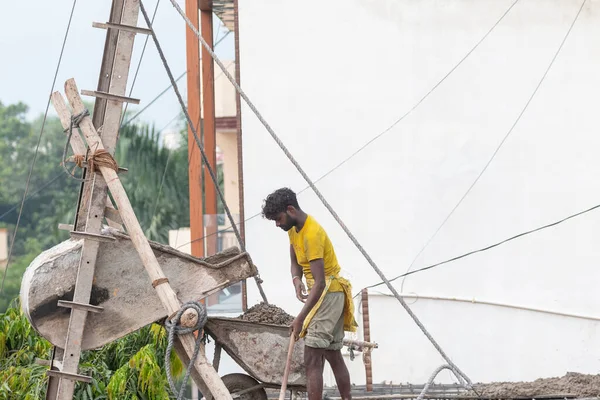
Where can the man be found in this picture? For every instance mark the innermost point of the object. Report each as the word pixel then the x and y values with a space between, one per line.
pixel 328 309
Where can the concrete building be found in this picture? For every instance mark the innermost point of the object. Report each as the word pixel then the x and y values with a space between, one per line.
pixel 341 73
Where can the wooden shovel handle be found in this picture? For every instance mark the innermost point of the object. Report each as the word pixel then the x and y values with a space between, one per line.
pixel 288 365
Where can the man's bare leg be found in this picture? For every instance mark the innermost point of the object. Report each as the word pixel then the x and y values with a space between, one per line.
pixel 340 371
pixel 314 361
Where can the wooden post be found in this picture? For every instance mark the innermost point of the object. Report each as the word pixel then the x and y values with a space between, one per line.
pixel 157 278
pixel 210 139
pixel 194 156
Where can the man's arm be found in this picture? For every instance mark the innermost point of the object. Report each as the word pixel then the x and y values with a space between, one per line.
pixel 296 271
pixel 317 268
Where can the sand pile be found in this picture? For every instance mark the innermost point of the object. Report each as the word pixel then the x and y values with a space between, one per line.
pixel 572 383
pixel 267 314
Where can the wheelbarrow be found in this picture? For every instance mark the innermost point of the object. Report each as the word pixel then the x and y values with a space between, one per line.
pixel 261 351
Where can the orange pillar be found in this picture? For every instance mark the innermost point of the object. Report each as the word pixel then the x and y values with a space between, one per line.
pixel 194 155
pixel 210 140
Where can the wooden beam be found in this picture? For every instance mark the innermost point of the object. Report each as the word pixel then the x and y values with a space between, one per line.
pixel 164 291
pixel 194 156
pixel 210 138
pixel 104 80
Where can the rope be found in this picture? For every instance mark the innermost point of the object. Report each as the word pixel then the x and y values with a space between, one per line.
pixel 455 369
pixel 100 158
pixel 37 147
pixel 213 176
pixel 435 373
pixel 499 145
pixel 173 327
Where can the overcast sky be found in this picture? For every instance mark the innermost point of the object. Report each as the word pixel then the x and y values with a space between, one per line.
pixel 31 35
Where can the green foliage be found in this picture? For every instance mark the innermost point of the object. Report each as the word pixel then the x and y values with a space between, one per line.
pixel 129 368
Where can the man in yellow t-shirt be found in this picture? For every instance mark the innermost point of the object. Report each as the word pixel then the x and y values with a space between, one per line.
pixel 328 308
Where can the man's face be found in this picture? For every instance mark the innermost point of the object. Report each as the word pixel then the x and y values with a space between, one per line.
pixel 285 221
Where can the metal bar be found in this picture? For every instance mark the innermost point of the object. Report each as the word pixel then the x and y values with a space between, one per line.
pixel 126 28
pixel 80 306
pixel 110 96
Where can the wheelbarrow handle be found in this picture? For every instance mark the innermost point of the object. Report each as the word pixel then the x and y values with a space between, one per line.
pixel 288 364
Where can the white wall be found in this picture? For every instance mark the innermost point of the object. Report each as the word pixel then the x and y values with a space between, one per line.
pixel 329 76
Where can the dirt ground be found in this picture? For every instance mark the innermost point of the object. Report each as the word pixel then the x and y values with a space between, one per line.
pixel 267 314
pixel 572 383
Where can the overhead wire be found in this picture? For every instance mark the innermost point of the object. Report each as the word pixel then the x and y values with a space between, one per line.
pixel 501 143
pixel 489 247
pixel 37 147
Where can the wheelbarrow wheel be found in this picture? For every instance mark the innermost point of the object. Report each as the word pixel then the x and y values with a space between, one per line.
pixel 238 382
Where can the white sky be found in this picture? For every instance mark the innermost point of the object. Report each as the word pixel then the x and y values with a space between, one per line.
pixel 31 35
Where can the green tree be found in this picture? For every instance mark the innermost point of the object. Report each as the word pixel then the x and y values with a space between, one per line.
pixel 129 368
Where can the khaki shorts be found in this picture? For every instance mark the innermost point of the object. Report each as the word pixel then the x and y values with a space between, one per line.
pixel 326 329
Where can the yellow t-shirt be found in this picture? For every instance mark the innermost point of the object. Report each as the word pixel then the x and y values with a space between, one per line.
pixel 312 243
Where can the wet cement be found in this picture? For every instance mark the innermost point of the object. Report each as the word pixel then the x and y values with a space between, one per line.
pixel 573 383
pixel 267 314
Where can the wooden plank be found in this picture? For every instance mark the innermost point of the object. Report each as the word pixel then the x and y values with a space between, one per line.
pixel 164 291
pixel 194 157
pixel 126 28
pixel 110 96
pixel 82 294
pixel 85 275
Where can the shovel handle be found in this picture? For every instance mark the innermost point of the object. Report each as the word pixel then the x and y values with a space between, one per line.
pixel 288 364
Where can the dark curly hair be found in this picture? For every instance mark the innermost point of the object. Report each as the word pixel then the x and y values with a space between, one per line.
pixel 278 201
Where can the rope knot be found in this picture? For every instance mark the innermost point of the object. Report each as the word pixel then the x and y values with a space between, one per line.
pixel 99 158
pixel 173 327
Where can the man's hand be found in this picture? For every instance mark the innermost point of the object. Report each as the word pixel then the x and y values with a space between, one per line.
pixel 301 293
pixel 296 327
